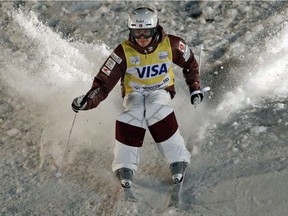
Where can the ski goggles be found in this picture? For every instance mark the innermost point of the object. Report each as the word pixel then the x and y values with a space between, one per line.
pixel 146 33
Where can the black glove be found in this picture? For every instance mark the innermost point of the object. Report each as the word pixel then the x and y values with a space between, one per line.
pixel 79 103
pixel 196 97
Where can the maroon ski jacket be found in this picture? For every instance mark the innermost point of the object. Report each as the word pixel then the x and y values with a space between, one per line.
pixel 108 76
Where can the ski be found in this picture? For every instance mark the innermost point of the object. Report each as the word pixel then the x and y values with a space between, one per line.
pixel 175 193
pixel 174 196
pixel 128 195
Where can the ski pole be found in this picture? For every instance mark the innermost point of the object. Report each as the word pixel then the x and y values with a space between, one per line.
pixel 200 55
pixel 58 173
pixel 196 100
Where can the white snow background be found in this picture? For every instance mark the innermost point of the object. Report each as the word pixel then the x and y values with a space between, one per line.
pixel 49 54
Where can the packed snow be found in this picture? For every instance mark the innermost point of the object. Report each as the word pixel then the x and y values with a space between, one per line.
pixel 50 52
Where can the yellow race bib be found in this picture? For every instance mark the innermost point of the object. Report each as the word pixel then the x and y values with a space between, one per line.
pixel 147 72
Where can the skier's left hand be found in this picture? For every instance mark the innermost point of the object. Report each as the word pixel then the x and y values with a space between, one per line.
pixel 196 97
pixel 79 103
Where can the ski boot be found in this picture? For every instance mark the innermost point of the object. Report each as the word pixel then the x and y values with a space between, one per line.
pixel 125 176
pixel 177 171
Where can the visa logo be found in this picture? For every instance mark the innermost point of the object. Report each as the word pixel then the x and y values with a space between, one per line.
pixel 152 70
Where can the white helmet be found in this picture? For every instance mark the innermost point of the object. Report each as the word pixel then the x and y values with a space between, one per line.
pixel 143 18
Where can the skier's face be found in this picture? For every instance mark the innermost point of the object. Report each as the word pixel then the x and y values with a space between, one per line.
pixel 143 42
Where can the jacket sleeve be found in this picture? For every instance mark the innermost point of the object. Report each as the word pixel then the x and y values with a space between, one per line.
pixel 184 58
pixel 108 76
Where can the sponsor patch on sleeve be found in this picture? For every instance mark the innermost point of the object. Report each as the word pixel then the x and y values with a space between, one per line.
pixel 182 46
pixel 186 54
pixel 185 49
pixel 106 70
pixel 116 58
pixel 110 63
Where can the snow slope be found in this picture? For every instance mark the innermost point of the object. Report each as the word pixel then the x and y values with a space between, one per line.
pixel 50 52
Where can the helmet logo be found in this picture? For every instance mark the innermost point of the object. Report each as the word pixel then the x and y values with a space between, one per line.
pixel 139 21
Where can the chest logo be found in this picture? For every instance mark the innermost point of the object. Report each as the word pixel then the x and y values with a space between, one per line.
pixel 162 55
pixel 135 60
pixel 152 70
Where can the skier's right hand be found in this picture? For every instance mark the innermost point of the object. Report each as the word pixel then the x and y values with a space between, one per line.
pixel 196 97
pixel 79 103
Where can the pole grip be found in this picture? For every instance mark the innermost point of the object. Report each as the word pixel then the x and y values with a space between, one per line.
pixel 84 100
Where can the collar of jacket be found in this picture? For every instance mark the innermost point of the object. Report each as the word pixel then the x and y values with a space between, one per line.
pixel 160 34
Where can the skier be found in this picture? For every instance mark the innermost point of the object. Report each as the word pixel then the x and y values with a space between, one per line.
pixel 143 63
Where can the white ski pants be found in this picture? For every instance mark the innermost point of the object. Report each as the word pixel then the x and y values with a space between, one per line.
pixel 152 110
